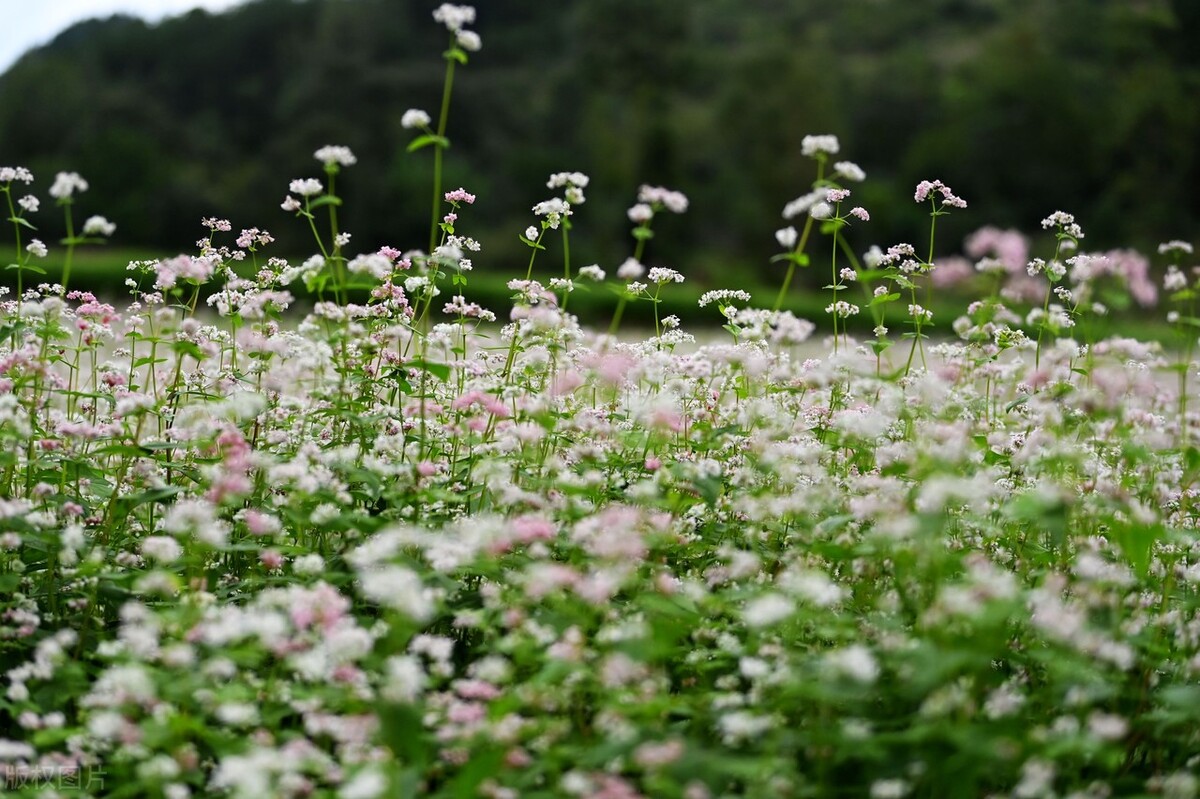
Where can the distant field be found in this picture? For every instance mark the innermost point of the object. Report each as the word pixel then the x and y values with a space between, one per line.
pixel 102 270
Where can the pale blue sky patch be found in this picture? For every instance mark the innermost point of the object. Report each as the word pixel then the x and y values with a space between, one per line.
pixel 25 24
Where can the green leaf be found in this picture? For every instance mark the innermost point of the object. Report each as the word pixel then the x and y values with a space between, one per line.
pixel 188 348
pixel 16 220
pixel 325 199
pixel 403 733
pixel 642 233
pixel 426 140
pixel 153 495
pixel 709 489
pixel 439 370
pixel 1191 457
pixel 483 764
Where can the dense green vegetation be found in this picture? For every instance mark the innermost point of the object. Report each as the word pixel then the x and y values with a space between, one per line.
pixel 1077 104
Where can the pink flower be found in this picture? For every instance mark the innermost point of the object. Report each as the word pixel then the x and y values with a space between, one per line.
pixel 566 382
pixel 271 558
pixel 460 195
pixel 532 528
pixel 927 187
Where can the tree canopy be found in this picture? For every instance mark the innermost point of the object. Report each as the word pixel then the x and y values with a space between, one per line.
pixel 1023 106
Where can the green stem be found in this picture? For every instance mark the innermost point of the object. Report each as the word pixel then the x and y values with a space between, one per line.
pixel 796 253
pixel 835 282
pixel 339 271
pixel 616 319
pixel 512 349
pixel 438 147
pixel 66 276
pixel 566 261
pixel 787 279
pixel 919 317
pixel 1037 356
pixel 12 212
pixel 657 325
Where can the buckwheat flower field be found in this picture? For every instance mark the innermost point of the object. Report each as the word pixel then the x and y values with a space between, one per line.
pixel 403 545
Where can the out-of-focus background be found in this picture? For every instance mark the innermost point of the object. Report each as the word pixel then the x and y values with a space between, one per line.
pixel 1022 106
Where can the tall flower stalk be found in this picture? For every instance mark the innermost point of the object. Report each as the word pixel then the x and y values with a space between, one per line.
pixel 1067 234
pixel 940 198
pixel 462 41
pixel 652 200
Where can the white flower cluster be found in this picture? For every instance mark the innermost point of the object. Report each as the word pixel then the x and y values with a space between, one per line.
pixel 456 18
pixel 67 184
pixel 332 154
pixel 812 146
pixel 657 196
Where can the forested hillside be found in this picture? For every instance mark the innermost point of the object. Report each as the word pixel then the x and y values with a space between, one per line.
pixel 1079 104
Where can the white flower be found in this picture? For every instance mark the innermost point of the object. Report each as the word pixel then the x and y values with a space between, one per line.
pixel 1175 246
pixel 161 548
pixel 98 226
pixel 405 679
pixel 741 725
pixel 848 170
pixel 366 784
pixel 561 179
pixel 720 296
pixel 821 211
pixel 307 187
pixel 816 145
pixel 631 269
pixel 592 272
pixel 415 118
pixel 551 207
pixel 1107 726
pixel 237 714
pixel 398 588
pixel 889 789
pixel 8 174
pixel 802 204
pixel 37 248
pixel 29 203
pixel 674 201
pixel 767 610
pixel 309 564
pixel 469 40
pixel 855 662
pixel 660 274
pixel 376 265
pixel 640 213
pixel 842 308
pixel 786 237
pixel 333 154
pixel 454 17
pixel 67 183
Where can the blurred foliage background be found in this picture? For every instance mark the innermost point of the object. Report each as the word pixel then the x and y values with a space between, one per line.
pixel 1023 106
